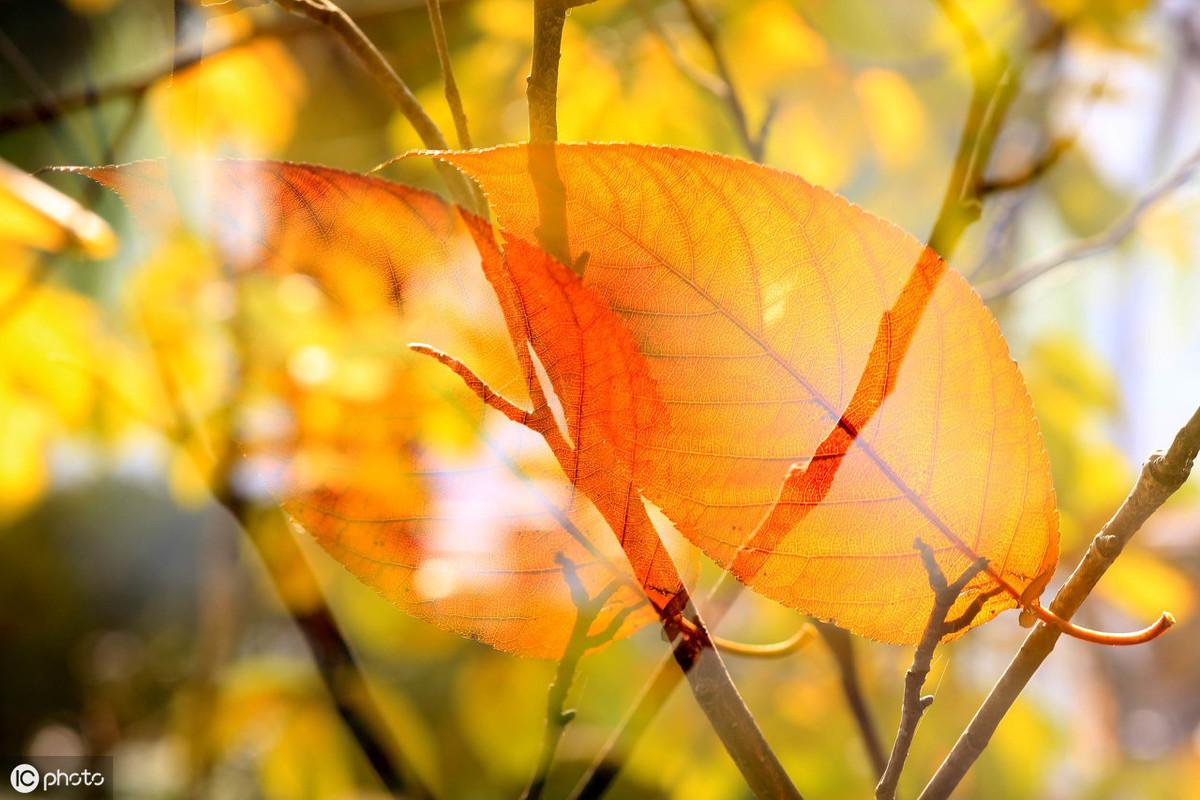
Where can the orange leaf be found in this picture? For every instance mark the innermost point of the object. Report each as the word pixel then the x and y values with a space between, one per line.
pixel 785 326
pixel 467 538
pixel 608 402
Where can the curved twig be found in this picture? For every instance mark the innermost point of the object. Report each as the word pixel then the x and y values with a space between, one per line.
pixel 1161 476
pixel 785 647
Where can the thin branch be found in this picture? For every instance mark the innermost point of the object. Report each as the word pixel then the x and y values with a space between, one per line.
pixel 841 647
pixel 914 704
pixel 330 16
pixel 453 99
pixel 1036 169
pixel 1161 476
pixel 286 565
pixel 720 86
pixel 50 108
pixel 1094 245
pixel 580 642
pixel 707 31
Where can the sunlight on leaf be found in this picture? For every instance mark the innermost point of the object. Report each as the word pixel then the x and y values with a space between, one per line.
pixel 759 303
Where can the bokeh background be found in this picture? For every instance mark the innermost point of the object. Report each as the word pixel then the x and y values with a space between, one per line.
pixel 136 621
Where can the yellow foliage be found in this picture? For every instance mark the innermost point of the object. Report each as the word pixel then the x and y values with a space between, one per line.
pixel 893 116
pixel 35 214
pixel 47 341
pixel 1142 584
pixel 242 100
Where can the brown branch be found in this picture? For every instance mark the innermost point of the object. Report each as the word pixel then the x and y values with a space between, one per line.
pixel 707 31
pixel 1125 225
pixel 606 766
pixel 329 15
pixel 549 17
pixel 1161 476
pixel 336 664
pixel 841 647
pixel 453 99
pixel 914 704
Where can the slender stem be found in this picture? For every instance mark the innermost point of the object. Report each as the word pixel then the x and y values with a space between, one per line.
pixel 549 17
pixel 338 667
pixel 707 30
pixel 50 107
pixel 580 641
pixel 453 99
pixel 914 704
pixel 1106 240
pixel 1161 476
pixel 330 16
pixel 841 647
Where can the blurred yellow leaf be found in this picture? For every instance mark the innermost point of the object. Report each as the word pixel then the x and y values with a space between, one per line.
pixel 37 215
pixel 242 100
pixel 893 115
pixel 1142 584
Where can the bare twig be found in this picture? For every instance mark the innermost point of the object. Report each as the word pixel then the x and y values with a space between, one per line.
pixel 453 99
pixel 841 647
pixel 50 107
pixel 914 704
pixel 1036 169
pixel 606 766
pixel 329 15
pixel 580 642
pixel 336 664
pixel 1161 476
pixel 1109 238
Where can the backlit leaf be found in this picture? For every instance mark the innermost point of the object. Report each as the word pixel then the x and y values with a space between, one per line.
pixel 782 325
pixel 455 515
